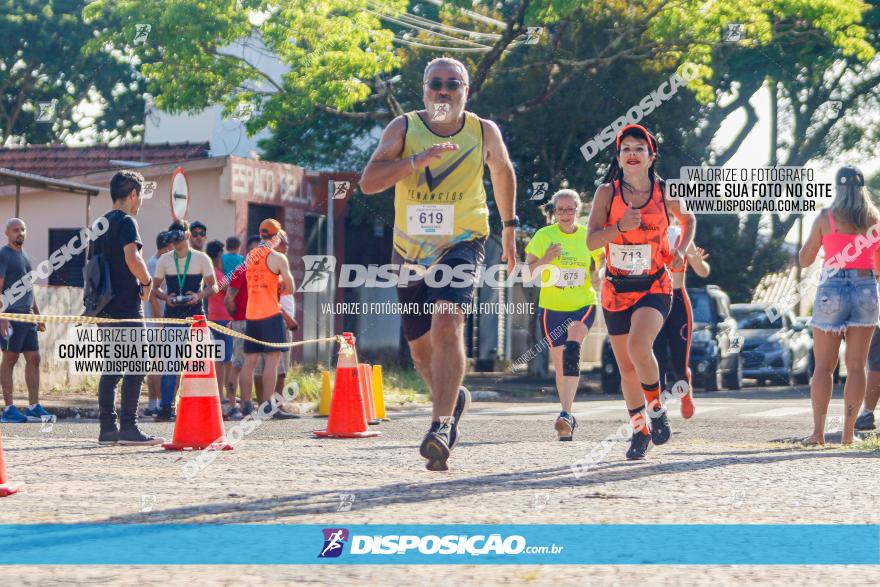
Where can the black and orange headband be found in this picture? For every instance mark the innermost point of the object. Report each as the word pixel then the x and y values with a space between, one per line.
pixel 648 136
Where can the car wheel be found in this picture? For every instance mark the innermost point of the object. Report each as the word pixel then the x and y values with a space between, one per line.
pixel 734 379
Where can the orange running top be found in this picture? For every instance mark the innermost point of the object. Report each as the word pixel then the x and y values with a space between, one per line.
pixel 644 249
pixel 262 284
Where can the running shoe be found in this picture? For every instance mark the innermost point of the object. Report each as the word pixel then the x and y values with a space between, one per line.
pixel 687 399
pixel 660 431
pixel 565 425
pixel 435 447
pixel 164 414
pixel 865 422
pixel 247 408
pixel 11 415
pixel 150 412
pixel 638 446
pixel 282 415
pixel 37 414
pixel 133 436
pixel 235 414
pixel 462 404
pixel 108 436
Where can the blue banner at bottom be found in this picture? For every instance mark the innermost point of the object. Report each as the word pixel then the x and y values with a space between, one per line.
pixel 176 544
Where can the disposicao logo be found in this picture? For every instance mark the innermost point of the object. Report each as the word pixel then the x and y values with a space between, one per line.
pixel 334 540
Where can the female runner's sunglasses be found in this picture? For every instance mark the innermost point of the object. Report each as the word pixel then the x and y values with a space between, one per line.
pixel 452 85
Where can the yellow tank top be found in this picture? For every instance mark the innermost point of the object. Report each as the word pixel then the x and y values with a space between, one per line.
pixel 445 203
pixel 262 286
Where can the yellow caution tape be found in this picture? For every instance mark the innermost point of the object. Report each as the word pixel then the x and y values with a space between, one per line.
pixel 49 319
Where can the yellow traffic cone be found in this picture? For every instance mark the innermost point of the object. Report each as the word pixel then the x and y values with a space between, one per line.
pixel 326 395
pixel 379 393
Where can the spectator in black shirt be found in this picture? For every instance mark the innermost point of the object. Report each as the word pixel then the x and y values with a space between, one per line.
pixel 131 285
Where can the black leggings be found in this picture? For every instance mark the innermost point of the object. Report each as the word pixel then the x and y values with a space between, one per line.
pixel 672 347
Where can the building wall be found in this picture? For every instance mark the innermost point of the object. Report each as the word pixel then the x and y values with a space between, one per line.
pixel 221 190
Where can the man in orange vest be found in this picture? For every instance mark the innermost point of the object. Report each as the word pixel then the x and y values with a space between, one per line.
pixel 266 267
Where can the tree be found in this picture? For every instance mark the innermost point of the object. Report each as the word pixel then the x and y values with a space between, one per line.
pixel 43 61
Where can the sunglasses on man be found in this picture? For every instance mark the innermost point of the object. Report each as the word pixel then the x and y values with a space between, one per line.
pixel 198 233
pixel 436 84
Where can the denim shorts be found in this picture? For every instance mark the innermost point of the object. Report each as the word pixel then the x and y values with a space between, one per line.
pixel 844 300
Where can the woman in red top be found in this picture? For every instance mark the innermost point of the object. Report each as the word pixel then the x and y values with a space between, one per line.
pixel 218 313
pixel 629 218
pixel 847 298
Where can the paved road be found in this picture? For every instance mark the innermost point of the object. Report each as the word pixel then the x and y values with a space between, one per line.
pixel 723 466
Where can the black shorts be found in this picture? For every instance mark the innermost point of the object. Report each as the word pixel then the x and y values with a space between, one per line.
pixel 554 323
pixel 416 317
pixel 22 340
pixel 619 322
pixel 269 329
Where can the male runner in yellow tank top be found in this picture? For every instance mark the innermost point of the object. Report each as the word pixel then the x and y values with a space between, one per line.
pixel 434 158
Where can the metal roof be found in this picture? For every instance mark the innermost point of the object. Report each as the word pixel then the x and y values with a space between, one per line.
pixel 12 177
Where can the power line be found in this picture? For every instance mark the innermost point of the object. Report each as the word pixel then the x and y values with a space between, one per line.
pixel 428 23
pixel 427 31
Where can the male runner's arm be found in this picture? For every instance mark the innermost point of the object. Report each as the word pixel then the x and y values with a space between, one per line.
pixel 688 223
pixel 279 264
pixel 386 168
pixel 810 250
pixel 503 186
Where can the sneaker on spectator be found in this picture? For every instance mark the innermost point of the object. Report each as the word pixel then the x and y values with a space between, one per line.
pixel 234 414
pixel 133 436
pixel 11 415
pixel 37 414
pixel 164 414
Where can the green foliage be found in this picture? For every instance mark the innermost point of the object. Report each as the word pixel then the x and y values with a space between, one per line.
pixel 42 59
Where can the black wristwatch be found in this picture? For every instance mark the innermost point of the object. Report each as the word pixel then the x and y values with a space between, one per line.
pixel 512 222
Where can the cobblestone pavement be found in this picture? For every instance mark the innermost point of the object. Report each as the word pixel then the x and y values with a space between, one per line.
pixel 724 466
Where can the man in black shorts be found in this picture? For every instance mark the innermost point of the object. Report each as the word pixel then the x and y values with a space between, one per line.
pixel 434 158
pixel 17 338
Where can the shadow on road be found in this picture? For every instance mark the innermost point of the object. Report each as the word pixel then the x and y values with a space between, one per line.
pixel 325 502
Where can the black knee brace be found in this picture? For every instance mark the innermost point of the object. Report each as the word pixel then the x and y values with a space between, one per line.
pixel 571 359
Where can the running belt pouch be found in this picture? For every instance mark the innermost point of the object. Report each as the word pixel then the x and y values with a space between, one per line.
pixel 97 287
pixel 632 284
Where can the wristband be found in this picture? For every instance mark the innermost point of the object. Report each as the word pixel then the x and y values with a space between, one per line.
pixel 617 226
pixel 412 161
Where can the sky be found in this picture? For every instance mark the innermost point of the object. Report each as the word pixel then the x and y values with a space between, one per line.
pixel 755 150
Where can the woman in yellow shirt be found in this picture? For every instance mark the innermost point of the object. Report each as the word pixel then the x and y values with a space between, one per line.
pixel 567 301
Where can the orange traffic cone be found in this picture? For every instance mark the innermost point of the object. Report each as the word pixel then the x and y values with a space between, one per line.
pixel 5 487
pixel 364 372
pixel 199 422
pixel 347 412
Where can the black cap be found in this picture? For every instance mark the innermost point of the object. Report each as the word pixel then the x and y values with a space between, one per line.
pixel 849 176
pixel 198 224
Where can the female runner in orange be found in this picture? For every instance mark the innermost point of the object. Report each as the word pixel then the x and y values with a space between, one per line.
pixel 629 218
